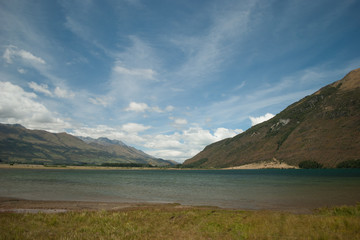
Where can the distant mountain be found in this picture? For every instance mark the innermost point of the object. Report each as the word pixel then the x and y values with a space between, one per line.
pixel 102 141
pixel 21 145
pixel 119 148
pixel 323 127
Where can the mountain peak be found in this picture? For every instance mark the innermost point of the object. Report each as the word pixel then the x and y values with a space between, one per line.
pixel 104 140
pixel 350 81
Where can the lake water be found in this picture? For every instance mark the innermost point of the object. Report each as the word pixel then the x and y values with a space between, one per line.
pixel 286 189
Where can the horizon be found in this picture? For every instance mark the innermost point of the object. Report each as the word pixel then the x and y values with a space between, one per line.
pixel 168 78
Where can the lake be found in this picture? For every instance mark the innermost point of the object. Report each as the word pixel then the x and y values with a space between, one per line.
pixel 284 189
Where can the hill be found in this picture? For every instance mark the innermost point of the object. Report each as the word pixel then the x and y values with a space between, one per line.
pixel 323 127
pixel 21 145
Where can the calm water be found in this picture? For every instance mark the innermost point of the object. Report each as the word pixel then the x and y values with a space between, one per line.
pixel 246 189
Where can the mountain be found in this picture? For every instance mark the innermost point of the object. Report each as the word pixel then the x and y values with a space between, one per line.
pixel 119 148
pixel 21 145
pixel 102 141
pixel 323 127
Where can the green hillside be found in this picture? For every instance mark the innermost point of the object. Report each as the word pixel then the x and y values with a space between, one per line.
pixel 323 127
pixel 21 145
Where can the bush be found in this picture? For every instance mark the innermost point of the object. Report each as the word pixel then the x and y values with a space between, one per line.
pixel 126 165
pixel 309 164
pixel 349 164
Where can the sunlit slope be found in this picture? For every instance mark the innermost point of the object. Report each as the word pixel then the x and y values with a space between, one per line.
pixel 21 145
pixel 323 127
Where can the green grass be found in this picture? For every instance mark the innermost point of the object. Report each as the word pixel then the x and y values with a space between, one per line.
pixel 172 223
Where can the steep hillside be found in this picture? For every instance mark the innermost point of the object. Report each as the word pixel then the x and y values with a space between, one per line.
pixel 323 127
pixel 21 145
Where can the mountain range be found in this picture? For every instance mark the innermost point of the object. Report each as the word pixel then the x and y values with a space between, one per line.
pixel 21 145
pixel 323 127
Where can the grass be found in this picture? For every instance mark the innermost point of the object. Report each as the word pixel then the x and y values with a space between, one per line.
pixel 189 223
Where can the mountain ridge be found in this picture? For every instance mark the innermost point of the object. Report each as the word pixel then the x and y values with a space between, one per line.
pixel 21 145
pixel 322 127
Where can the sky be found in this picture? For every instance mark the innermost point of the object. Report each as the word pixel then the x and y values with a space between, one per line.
pixel 168 77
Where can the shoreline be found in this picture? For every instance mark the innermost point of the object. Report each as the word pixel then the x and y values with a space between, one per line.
pixel 18 205
pixel 251 166
pixel 70 167
pixel 272 164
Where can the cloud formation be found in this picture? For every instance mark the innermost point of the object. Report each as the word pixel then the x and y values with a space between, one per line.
pixel 178 146
pixel 257 120
pixel 19 106
pixel 12 52
pixel 58 92
pixel 141 73
pixel 143 107
pixel 42 88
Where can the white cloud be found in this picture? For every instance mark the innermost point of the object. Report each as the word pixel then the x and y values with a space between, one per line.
pixel 134 127
pixel 169 108
pixel 180 146
pixel 12 51
pixel 257 120
pixel 103 101
pixel 142 73
pixel 19 106
pixel 29 56
pixel 177 146
pixel 137 107
pixel 21 70
pixel 222 133
pixel 63 93
pixel 156 109
pixel 143 107
pixel 179 121
pixel 43 88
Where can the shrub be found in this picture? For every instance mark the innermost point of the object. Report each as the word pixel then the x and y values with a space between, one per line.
pixel 308 164
pixel 349 164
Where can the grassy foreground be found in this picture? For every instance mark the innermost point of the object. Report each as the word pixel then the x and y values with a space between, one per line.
pixel 183 223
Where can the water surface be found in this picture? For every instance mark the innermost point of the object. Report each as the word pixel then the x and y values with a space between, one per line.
pixel 286 189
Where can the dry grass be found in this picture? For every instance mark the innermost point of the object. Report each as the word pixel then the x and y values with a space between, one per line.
pixel 191 223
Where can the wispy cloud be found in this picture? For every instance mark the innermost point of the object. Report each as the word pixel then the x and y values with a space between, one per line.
pixel 141 107
pixel 141 73
pixel 137 107
pixel 179 121
pixel 42 88
pixel 134 127
pixel 12 52
pixel 58 92
pixel 63 93
pixel 103 101
pixel 206 52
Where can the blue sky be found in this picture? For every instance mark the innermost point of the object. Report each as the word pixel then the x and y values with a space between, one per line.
pixel 168 77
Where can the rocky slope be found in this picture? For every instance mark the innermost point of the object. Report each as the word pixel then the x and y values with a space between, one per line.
pixel 21 145
pixel 322 127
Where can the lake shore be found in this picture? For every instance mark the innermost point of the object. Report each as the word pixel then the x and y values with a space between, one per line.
pixel 274 163
pixel 36 166
pixel 261 165
pixel 25 219
pixel 8 204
